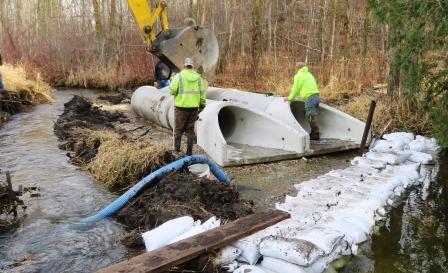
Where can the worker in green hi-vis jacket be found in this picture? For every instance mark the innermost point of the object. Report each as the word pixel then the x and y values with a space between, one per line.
pixel 188 89
pixel 305 86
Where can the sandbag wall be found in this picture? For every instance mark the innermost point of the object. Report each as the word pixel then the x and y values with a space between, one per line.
pixel 334 213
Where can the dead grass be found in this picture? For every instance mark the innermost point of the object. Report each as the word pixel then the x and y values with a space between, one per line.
pixel 31 86
pixel 403 115
pixel 120 162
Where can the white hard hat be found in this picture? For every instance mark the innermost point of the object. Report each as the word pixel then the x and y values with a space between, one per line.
pixel 188 62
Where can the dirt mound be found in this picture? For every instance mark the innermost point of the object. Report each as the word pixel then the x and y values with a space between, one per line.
pixel 81 113
pixel 115 99
pixel 180 194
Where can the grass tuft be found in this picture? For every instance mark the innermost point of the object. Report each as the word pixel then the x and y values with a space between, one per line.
pixel 120 162
pixel 30 86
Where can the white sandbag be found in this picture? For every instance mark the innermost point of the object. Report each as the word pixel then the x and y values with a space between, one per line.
pixel 386 146
pixel 430 143
pixel 227 255
pixel 420 157
pixel 211 223
pixel 264 269
pixel 198 228
pixel 353 234
pixel 195 230
pixel 249 246
pixel 295 251
pixel 280 266
pixel 249 269
pixel 366 162
pixel 389 158
pixel 417 145
pixel 163 234
pixel 325 239
pixel 400 136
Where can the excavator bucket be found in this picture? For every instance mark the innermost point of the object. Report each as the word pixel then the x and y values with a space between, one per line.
pixel 172 46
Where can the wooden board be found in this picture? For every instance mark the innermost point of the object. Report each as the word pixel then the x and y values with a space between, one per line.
pixel 164 258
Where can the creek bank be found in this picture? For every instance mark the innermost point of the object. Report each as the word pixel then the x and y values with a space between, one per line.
pixel 12 103
pixel 118 150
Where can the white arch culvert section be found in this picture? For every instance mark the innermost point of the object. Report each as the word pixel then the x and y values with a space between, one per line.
pixel 333 124
pixel 230 133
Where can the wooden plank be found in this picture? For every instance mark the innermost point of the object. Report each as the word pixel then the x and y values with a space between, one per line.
pixel 164 258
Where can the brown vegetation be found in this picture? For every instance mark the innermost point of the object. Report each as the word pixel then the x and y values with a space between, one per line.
pixel 22 89
pixel 98 45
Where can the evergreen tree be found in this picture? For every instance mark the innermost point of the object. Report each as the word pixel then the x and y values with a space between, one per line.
pixel 418 42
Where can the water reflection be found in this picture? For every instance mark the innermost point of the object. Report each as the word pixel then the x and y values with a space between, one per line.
pixel 414 237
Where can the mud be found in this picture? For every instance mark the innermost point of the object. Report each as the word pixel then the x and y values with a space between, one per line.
pixel 12 103
pixel 180 194
pixel 80 113
pixel 122 97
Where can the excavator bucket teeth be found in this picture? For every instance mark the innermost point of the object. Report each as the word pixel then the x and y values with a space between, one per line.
pixel 172 46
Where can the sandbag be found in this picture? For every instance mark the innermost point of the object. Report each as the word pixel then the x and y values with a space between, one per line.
pixel 163 234
pixel 249 269
pixel 249 246
pixel 280 266
pixel 295 251
pixel 389 158
pixel 366 162
pixel 420 157
pixel 386 146
pixel 227 255
pixel 400 136
pixel 198 228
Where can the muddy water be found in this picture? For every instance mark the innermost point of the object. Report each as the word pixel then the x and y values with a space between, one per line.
pixel 45 239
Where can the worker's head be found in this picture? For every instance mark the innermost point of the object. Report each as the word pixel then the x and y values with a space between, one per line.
pixel 300 65
pixel 188 63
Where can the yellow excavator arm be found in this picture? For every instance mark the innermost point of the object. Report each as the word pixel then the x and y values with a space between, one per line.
pixel 146 19
pixel 173 45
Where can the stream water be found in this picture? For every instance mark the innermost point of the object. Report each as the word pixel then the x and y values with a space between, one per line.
pixel 414 239
pixel 29 150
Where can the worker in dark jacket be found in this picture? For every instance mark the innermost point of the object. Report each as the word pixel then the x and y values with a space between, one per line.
pixel 162 74
pixel 1 82
pixel 188 89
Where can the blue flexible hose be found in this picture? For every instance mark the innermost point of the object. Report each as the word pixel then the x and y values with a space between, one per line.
pixel 174 166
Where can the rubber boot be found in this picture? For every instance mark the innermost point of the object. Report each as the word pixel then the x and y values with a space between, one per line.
pixel 314 134
pixel 177 141
pixel 190 143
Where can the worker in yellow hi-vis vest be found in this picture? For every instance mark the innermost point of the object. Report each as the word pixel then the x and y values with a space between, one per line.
pixel 305 86
pixel 188 89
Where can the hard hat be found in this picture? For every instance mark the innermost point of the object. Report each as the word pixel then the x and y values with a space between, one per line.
pixel 188 62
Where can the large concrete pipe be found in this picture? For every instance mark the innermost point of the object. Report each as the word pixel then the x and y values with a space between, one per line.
pixel 233 135
pixel 154 105
pixel 333 124
pixel 230 133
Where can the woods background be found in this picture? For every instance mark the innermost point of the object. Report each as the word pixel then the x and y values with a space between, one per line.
pixel 350 46
pixel 94 43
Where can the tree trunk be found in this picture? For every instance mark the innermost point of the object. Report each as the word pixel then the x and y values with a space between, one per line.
pixel 256 41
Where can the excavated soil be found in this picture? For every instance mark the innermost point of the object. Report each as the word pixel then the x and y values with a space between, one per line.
pixel 180 194
pixel 79 113
pixel 121 97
